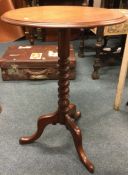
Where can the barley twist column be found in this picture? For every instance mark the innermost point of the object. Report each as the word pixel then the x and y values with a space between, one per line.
pixel 64 70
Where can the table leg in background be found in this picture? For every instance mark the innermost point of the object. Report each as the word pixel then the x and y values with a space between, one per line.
pixel 122 77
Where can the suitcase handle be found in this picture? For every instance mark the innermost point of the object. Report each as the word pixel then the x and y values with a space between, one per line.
pixel 43 74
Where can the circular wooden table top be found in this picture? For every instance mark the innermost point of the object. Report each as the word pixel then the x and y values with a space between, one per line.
pixel 63 16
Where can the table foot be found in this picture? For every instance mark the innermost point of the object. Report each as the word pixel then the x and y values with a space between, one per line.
pixel 77 137
pixel 43 121
pixel 95 75
pixel 73 113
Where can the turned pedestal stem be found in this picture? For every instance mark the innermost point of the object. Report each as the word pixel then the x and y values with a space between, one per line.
pixel 64 69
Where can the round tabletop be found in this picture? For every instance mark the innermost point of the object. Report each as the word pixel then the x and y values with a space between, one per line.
pixel 63 16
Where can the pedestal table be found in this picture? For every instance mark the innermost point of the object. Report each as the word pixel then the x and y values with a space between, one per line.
pixel 64 18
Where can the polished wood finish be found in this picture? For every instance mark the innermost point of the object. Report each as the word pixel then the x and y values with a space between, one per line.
pixel 63 18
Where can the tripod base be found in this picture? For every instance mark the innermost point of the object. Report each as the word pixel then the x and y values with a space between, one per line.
pixel 53 118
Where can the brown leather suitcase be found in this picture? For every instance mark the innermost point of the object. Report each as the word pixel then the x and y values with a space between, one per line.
pixel 33 63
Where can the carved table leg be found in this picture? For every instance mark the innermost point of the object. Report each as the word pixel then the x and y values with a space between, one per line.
pixel 43 121
pixel 99 46
pixel 76 133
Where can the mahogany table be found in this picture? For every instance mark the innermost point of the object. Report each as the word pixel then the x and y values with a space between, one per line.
pixel 63 18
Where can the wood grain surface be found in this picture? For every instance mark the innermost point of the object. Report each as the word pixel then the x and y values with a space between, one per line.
pixel 63 16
